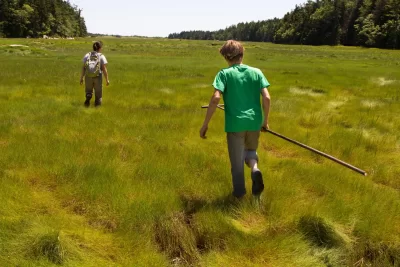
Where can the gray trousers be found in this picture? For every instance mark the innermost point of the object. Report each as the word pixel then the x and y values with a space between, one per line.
pixel 242 147
pixel 95 83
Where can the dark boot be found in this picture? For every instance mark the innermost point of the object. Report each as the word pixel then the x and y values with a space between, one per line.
pixel 87 101
pixel 97 103
pixel 258 183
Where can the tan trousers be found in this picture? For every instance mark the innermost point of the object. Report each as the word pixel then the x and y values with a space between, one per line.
pixel 95 84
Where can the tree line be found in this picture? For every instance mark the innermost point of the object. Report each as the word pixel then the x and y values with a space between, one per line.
pixel 35 18
pixel 370 23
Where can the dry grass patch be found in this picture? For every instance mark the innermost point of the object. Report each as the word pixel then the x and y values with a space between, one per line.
pixel 382 81
pixel 313 92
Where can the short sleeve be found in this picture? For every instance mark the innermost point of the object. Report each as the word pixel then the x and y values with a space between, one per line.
pixel 103 60
pixel 220 81
pixel 85 58
pixel 263 81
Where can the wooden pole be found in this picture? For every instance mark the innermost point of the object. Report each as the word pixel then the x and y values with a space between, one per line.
pixel 220 106
pixel 351 167
pixel 347 165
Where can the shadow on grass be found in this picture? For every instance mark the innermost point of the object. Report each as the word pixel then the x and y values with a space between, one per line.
pixel 319 232
pixel 193 204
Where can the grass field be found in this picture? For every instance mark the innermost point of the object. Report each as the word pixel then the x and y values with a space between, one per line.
pixel 132 184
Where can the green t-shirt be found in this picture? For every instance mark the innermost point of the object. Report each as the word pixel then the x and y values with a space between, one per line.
pixel 241 87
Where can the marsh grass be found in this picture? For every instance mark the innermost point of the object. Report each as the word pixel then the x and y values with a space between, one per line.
pixel 132 184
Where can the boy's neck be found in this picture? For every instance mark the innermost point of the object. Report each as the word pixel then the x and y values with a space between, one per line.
pixel 235 62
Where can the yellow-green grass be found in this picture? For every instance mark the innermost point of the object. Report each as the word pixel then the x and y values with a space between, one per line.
pixel 132 184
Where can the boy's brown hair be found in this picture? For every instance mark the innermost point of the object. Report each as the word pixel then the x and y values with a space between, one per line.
pixel 232 50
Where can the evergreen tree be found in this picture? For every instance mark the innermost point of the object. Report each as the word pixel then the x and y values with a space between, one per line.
pixel 373 23
pixel 35 18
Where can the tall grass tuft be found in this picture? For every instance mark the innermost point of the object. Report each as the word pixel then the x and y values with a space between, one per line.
pixel 176 238
pixel 319 232
pixel 50 246
pixel 366 253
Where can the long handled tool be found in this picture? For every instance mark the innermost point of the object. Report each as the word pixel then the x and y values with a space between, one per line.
pixel 318 152
pixel 220 106
pixel 310 148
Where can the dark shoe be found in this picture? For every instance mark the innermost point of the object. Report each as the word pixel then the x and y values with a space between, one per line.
pixel 87 103
pixel 238 196
pixel 258 184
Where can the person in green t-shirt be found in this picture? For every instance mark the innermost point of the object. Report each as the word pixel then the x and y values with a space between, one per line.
pixel 241 87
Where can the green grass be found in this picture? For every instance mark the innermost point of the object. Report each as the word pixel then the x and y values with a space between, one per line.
pixel 132 184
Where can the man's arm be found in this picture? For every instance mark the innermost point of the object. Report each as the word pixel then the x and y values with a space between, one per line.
pixel 266 103
pixel 82 74
pixel 210 111
pixel 104 69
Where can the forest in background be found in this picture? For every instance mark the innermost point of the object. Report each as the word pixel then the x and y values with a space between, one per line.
pixel 36 18
pixel 369 23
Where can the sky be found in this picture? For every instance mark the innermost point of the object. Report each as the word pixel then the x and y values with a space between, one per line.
pixel 160 18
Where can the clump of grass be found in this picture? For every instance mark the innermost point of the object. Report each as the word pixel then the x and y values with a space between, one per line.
pixel 368 253
pixel 330 257
pixel 49 245
pixel 176 238
pixel 319 232
pixel 186 236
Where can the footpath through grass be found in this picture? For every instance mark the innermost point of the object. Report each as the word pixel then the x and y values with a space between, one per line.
pixel 132 184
